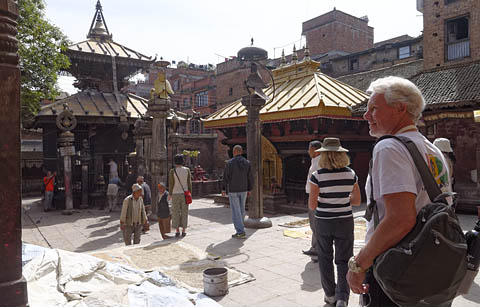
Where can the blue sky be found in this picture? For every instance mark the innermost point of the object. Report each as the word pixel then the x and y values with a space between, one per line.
pixel 203 32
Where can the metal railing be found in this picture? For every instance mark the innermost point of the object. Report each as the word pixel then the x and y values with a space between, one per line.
pixel 458 50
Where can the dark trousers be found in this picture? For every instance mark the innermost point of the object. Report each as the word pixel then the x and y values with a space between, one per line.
pixel 136 230
pixel 376 297
pixel 338 232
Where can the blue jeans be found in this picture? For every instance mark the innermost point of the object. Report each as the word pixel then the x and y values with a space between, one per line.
pixel 47 203
pixel 237 204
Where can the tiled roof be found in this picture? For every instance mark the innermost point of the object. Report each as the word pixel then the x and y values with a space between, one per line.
pixel 108 48
pixel 450 87
pixel 93 103
pixel 301 92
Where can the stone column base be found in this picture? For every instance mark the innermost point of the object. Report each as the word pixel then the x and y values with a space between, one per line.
pixel 253 223
pixel 14 293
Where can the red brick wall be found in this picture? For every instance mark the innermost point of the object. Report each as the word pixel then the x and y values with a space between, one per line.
pixel 435 14
pixel 462 134
pixel 338 31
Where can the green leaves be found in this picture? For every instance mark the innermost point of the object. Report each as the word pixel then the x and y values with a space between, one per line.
pixel 40 48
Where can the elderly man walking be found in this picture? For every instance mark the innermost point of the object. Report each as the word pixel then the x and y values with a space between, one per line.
pixel 394 107
pixel 133 216
pixel 237 182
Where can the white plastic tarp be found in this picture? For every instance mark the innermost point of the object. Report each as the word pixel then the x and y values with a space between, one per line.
pixel 60 278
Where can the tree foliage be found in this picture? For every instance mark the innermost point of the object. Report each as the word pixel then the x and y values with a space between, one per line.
pixel 40 46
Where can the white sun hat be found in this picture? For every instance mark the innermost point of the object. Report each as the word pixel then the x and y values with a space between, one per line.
pixel 443 144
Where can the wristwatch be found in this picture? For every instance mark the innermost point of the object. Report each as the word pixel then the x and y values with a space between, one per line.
pixel 354 267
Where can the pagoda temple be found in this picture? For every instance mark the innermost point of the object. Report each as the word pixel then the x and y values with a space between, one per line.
pixel 304 105
pixel 100 120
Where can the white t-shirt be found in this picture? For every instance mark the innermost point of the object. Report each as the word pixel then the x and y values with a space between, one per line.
pixel 182 173
pixel 313 167
pixel 113 167
pixel 394 171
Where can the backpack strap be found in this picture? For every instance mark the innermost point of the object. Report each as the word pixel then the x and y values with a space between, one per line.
pixel 427 177
pixel 372 209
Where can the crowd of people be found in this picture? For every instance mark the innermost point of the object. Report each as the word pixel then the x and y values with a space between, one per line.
pixel 393 183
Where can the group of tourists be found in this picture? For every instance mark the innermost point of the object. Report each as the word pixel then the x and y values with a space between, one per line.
pixel 394 187
pixel 172 205
pixel 395 191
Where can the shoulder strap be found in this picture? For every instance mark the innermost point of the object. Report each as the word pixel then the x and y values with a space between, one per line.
pixel 372 208
pixel 179 181
pixel 430 185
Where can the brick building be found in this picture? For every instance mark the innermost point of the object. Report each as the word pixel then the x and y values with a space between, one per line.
pixel 451 86
pixel 451 31
pixel 402 49
pixel 337 33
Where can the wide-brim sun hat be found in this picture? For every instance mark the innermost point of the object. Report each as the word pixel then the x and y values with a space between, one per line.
pixel 331 144
pixel 443 144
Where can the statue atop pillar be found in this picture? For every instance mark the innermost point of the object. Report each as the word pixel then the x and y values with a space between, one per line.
pixel 162 87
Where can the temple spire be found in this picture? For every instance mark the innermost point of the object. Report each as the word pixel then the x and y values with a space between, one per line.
pixel 283 59
pixel 306 56
pixel 98 28
pixel 294 55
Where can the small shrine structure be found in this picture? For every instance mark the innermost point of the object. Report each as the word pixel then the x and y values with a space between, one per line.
pixel 304 105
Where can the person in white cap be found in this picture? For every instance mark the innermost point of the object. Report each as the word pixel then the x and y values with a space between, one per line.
pixel 444 145
pixel 133 216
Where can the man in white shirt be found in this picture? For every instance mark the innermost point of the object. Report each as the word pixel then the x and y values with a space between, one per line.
pixel 394 107
pixel 113 168
pixel 315 156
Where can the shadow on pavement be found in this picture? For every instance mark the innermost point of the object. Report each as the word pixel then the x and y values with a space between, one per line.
pixel 216 214
pixel 311 277
pixel 229 248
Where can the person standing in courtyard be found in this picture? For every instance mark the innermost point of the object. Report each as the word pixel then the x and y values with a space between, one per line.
pixel 113 169
pixel 315 157
pixel 394 107
pixel 237 182
pixel 333 190
pixel 444 145
pixel 48 183
pixel 163 211
pixel 133 216
pixel 179 181
pixel 112 192
pixel 147 199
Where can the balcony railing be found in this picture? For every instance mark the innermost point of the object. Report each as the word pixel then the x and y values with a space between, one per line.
pixel 458 50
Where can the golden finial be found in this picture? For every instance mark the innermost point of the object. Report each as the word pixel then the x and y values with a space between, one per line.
pixel 294 55
pixel 283 59
pixel 306 55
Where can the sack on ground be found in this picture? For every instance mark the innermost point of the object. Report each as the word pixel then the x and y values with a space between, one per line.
pixel 428 265
pixel 188 197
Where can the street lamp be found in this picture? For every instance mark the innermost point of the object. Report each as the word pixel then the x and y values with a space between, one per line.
pixel 254 101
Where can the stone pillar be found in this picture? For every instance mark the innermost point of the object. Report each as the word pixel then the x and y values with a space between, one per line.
pixel 255 218
pixel 140 157
pixel 158 109
pixel 67 150
pixel 13 287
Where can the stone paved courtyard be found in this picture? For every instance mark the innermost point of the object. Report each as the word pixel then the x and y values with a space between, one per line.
pixel 283 275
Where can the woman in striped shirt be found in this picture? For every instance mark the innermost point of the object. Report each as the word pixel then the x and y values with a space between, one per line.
pixel 333 191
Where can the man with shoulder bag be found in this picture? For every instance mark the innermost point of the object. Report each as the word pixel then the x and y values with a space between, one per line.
pixel 415 252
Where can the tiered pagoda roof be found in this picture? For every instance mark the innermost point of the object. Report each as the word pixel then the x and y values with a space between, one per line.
pixel 94 59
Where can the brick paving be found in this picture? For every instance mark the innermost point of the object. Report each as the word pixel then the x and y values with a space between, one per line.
pixel 284 276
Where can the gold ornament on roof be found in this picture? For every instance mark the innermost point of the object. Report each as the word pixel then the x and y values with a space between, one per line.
pixel 162 87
